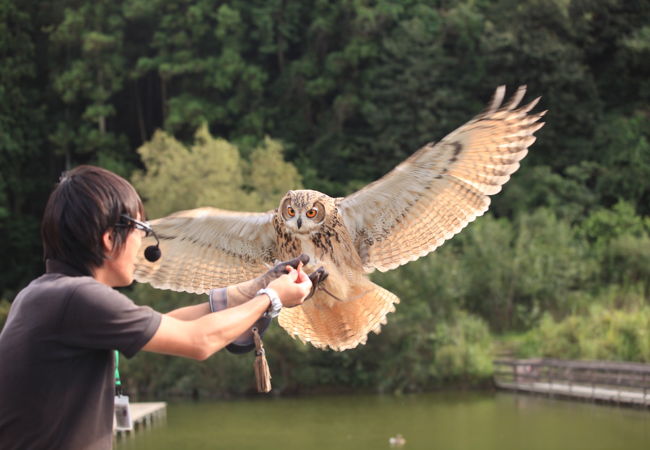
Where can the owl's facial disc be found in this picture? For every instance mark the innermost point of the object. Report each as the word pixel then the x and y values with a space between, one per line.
pixel 301 217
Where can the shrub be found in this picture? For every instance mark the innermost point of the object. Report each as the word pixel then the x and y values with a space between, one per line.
pixel 4 312
pixel 604 333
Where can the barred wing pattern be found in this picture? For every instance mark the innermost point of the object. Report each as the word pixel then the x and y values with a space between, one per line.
pixel 206 248
pixel 441 188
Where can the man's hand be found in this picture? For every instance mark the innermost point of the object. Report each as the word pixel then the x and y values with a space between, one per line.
pixel 292 288
pixel 243 292
pixel 289 281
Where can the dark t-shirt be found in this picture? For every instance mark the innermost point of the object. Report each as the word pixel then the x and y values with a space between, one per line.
pixel 56 361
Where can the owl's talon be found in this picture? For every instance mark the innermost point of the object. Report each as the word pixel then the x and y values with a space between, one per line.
pixel 316 277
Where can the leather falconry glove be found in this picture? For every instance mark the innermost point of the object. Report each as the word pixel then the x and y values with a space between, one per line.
pixel 237 294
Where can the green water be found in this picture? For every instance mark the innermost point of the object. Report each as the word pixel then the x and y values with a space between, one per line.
pixel 445 420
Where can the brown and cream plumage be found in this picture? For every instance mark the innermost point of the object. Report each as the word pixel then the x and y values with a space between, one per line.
pixel 406 214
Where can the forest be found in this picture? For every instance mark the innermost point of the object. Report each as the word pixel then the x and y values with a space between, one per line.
pixel 231 103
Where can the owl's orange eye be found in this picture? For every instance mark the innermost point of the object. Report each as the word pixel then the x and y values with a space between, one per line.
pixel 291 211
pixel 312 213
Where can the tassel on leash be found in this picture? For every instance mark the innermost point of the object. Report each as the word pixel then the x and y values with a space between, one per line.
pixel 262 372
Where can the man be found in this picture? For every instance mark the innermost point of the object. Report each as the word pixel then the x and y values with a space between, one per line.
pixel 56 348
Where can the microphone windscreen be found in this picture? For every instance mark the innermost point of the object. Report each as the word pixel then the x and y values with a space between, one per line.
pixel 152 253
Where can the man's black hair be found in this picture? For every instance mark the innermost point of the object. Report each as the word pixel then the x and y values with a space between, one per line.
pixel 87 202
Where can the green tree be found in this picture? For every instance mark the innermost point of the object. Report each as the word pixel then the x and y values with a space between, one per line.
pixel 89 43
pixel 23 158
pixel 624 165
pixel 211 172
pixel 508 273
pixel 604 224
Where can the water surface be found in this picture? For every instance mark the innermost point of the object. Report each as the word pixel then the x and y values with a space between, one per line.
pixel 443 420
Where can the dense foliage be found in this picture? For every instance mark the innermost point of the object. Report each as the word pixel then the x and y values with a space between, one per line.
pixel 331 95
pixel 619 334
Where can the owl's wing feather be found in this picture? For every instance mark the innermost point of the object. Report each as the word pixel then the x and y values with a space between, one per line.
pixel 206 248
pixel 442 187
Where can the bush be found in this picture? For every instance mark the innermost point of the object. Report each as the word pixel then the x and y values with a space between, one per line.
pixel 506 272
pixel 463 349
pixel 4 312
pixel 604 334
pixel 627 261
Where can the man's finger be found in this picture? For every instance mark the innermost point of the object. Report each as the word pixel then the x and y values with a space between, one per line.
pixel 293 274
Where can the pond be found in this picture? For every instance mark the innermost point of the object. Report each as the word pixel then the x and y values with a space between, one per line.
pixel 443 420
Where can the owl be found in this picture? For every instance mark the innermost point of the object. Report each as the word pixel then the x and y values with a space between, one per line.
pixel 406 214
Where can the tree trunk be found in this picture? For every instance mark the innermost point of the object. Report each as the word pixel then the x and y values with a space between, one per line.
pixel 101 121
pixel 138 107
pixel 163 97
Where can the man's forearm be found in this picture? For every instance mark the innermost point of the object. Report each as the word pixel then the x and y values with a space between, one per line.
pixel 237 318
pixel 190 312
pixel 201 337
pixel 219 300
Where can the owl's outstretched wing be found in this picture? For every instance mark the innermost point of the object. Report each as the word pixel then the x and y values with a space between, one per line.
pixel 206 248
pixel 442 187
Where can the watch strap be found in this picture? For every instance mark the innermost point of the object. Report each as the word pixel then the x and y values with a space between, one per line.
pixel 276 303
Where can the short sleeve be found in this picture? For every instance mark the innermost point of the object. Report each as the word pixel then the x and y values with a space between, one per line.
pixel 99 317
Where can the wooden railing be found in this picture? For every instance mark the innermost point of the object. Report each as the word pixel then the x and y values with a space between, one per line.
pixel 620 382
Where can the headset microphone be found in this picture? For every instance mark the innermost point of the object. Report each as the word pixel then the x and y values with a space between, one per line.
pixel 152 253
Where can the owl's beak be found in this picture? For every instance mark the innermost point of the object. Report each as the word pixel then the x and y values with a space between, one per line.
pixel 299 222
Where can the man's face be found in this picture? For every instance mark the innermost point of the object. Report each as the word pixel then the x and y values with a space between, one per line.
pixel 120 264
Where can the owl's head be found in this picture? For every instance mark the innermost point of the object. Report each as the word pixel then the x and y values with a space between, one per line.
pixel 304 211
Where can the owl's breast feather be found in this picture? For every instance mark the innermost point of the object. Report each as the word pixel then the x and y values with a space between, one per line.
pixel 316 255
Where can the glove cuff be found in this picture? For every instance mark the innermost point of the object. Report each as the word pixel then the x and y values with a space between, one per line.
pixel 218 301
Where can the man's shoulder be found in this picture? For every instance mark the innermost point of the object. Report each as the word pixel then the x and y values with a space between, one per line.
pixel 57 283
pixel 54 288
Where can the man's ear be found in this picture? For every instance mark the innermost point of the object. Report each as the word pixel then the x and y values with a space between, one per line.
pixel 107 241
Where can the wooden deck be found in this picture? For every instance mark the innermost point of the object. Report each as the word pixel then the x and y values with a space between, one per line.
pixel 145 415
pixel 602 381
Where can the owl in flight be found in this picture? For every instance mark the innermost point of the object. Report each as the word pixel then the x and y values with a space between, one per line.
pixel 408 213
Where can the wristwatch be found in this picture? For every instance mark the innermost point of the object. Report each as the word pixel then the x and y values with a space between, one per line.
pixel 276 303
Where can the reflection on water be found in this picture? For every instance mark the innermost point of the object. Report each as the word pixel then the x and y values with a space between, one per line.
pixel 443 420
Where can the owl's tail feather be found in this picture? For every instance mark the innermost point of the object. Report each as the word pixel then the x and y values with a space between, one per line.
pixel 340 325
